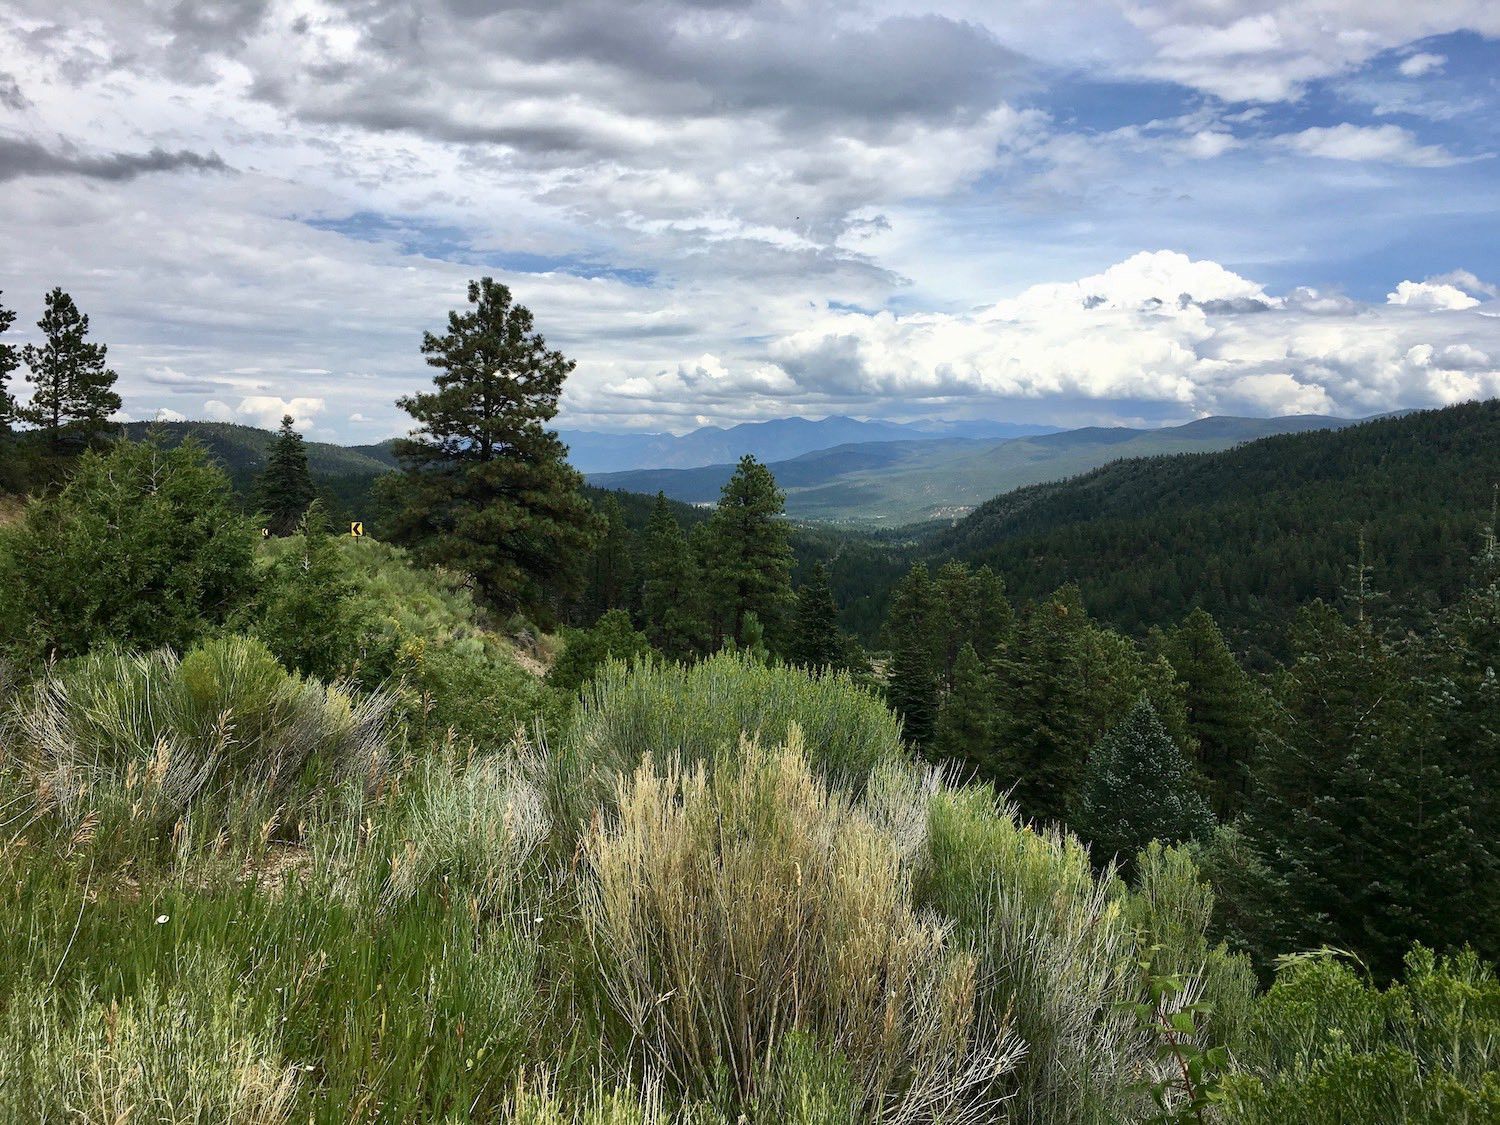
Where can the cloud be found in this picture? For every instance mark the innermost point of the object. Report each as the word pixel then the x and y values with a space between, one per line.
pixel 266 411
pixel 1388 144
pixel 1466 281
pixel 1142 343
pixel 1423 62
pixel 1430 295
pixel 26 157
pixel 10 94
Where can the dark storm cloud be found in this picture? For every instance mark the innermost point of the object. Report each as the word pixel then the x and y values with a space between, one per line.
pixel 25 157
pixel 216 24
pixel 439 70
pixel 10 94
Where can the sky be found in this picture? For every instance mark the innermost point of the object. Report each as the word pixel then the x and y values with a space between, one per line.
pixel 1071 212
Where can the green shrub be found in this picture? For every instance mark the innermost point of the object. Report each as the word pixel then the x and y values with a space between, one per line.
pixel 1057 956
pixel 612 637
pixel 143 548
pixel 147 740
pixel 675 712
pixel 1171 910
pixel 730 910
pixel 313 613
pixel 1326 1047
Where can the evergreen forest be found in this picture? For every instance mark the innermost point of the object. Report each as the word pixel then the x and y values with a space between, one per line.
pixel 1168 793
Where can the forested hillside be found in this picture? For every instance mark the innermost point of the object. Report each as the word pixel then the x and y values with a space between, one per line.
pixel 1252 533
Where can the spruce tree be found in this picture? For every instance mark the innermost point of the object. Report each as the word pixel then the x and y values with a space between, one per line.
pixel 486 488
pixel 10 359
pixel 672 605
pixel 1139 787
pixel 1223 706
pixel 611 572
pixel 914 679
pixel 966 724
pixel 284 489
pixel 72 393
pixel 817 641
pixel 749 564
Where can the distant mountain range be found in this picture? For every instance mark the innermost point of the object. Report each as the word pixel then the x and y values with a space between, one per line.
pixel 777 440
pixel 896 482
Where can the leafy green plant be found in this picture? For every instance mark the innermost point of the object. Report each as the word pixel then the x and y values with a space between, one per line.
pixel 1192 1074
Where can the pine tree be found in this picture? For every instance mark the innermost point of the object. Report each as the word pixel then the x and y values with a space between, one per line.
pixel 965 725
pixel 749 564
pixel 817 642
pixel 611 570
pixel 487 489
pixel 73 389
pixel 284 489
pixel 914 679
pixel 1139 787
pixel 10 359
pixel 1222 706
pixel 672 593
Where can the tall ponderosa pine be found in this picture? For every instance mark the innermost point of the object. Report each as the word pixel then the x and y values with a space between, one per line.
pixel 817 641
pixel 611 570
pixel 749 562
pixel 10 359
pixel 672 604
pixel 487 489
pixel 914 636
pixel 284 490
pixel 72 389
pixel 1139 787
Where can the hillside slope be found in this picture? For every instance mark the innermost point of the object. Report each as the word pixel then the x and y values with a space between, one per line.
pixel 1253 532
pixel 894 483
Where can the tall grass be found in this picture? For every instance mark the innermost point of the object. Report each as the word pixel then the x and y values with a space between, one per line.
pixel 154 747
pixel 732 909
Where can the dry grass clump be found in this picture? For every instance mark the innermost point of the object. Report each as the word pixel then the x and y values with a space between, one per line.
pixel 181 1055
pixel 149 739
pixel 730 909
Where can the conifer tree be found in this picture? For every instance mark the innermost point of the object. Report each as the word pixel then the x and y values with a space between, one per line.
pixel 1222 706
pixel 9 360
pixel 285 489
pixel 1139 787
pixel 1044 723
pixel 965 726
pixel 672 594
pixel 817 641
pixel 749 564
pixel 143 548
pixel 914 679
pixel 72 388
pixel 486 488
pixel 611 570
